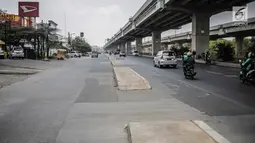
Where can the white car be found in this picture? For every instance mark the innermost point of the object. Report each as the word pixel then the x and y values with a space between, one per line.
pixel 16 52
pixel 135 53
pixel 165 58
pixel 74 54
pixel 1 54
pixel 122 54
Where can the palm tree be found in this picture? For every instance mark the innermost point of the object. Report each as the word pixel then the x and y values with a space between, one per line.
pixel 50 34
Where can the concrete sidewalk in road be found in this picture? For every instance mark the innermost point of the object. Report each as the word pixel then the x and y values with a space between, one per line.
pixel 31 64
pixel 128 79
pixel 18 71
pixel 12 71
pixel 173 132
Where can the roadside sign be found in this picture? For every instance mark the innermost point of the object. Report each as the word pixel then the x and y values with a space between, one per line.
pixel 29 9
pixel 7 17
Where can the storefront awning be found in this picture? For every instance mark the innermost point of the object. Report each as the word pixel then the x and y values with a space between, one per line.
pixel 2 42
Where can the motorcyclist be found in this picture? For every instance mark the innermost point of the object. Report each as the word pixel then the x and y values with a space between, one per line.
pixel 188 61
pixel 248 65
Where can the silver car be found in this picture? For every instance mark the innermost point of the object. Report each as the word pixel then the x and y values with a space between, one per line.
pixel 165 58
pixel 17 52
pixel 1 54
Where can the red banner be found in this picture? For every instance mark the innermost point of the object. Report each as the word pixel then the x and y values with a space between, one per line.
pixel 29 9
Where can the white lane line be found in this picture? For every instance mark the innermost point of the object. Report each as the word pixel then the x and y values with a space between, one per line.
pixel 217 73
pixel 221 74
pixel 211 132
pixel 233 76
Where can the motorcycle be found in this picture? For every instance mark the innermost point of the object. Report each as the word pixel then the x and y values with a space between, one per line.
pixel 250 76
pixel 208 60
pixel 189 71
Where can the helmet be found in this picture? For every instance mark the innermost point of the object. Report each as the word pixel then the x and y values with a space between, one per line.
pixel 189 54
pixel 250 55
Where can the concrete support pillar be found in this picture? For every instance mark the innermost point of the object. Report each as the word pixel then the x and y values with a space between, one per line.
pixel 239 46
pixel 122 47
pixel 156 42
pixel 139 44
pixel 180 45
pixel 118 47
pixel 200 32
pixel 128 48
pixel 115 48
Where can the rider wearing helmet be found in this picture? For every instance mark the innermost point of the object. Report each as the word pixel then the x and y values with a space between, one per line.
pixel 188 60
pixel 249 63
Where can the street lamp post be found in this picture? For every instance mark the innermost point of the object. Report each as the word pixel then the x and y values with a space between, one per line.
pixel 71 41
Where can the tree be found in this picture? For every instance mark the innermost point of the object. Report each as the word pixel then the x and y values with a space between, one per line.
pixel 181 49
pixel 222 49
pixel 251 47
pixel 81 45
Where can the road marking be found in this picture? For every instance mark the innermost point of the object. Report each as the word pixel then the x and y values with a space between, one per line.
pixel 221 74
pixel 211 132
pixel 233 76
pixel 217 73
pixel 185 83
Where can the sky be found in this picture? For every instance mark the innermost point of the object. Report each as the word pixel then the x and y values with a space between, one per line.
pixel 98 19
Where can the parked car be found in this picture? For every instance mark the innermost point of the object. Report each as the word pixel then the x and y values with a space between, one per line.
pixel 16 52
pixel 94 54
pixel 165 58
pixel 80 54
pixel 1 54
pixel 122 54
pixel 74 54
pixel 85 54
pixel 135 53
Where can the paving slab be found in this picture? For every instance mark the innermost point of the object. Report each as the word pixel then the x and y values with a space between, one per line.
pixel 128 79
pixel 172 132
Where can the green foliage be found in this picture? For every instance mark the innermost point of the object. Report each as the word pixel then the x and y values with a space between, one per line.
pixel 251 47
pixel 222 50
pixel 55 44
pixel 81 45
pixel 213 52
pixel 181 50
pixel 14 35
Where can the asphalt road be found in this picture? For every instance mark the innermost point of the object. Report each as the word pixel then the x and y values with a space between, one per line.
pixel 230 96
pixel 33 110
pixel 77 102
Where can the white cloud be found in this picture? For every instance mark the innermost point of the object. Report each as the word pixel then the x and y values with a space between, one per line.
pixel 109 10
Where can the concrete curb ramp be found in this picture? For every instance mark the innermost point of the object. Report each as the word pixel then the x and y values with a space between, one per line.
pixel 173 132
pixel 128 79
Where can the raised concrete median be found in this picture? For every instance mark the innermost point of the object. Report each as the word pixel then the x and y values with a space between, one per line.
pixel 19 71
pixel 128 79
pixel 173 132
pixel 114 60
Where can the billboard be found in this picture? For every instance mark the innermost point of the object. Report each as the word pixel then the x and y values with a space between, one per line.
pixel 29 9
pixel 7 17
